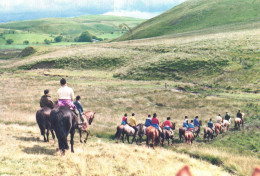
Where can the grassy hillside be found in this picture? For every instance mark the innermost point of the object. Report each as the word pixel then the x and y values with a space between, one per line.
pixel 196 15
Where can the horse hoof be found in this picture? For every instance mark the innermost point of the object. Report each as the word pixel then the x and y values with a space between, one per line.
pixel 85 141
pixel 81 141
pixel 57 149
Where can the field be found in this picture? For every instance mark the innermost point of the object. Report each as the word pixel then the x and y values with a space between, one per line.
pixel 36 31
pixel 220 74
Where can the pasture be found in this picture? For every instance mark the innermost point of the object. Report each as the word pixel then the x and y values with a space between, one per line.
pixel 108 78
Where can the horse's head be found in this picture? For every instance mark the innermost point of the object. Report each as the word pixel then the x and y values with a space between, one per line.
pixel 89 116
pixel 200 122
pixel 185 171
pixel 173 126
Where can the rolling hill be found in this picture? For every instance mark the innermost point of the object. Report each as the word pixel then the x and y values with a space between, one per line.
pixel 197 15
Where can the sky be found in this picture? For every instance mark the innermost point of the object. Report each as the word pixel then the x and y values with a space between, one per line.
pixel 16 10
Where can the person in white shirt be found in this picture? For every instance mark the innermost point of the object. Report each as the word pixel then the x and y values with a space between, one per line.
pixel 219 119
pixel 65 95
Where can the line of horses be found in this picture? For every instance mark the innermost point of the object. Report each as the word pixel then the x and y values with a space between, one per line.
pixel 125 131
pixel 63 122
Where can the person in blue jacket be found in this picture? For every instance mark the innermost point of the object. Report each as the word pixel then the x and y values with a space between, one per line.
pixel 196 122
pixel 191 126
pixel 185 122
pixel 148 121
pixel 79 108
pixel 211 125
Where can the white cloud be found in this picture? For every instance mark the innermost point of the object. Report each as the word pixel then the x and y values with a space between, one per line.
pixel 135 14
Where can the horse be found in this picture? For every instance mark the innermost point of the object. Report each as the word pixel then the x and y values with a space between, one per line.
pixel 239 121
pixel 43 121
pixel 197 129
pixel 129 131
pixel 208 133
pixel 166 134
pixel 63 122
pixel 88 118
pixel 119 131
pixel 152 133
pixel 218 128
pixel 182 131
pixel 226 125
pixel 189 136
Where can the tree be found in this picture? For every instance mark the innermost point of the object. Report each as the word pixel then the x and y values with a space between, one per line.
pixel 85 37
pixel 46 41
pixel 9 41
pixel 26 42
pixel 58 38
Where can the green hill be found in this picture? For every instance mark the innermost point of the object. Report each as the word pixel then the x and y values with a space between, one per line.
pixel 196 15
pixel 95 24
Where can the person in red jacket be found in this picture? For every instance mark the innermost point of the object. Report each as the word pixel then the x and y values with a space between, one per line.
pixel 155 123
pixel 168 125
pixel 124 119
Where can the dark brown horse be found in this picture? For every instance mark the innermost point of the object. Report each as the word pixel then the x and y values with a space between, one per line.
pixel 197 129
pixel 208 133
pixel 182 131
pixel 152 133
pixel 43 121
pixel 88 118
pixel 167 135
pixel 119 131
pixel 189 137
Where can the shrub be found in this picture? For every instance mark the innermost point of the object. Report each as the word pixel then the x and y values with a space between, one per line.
pixel 26 42
pixel 9 41
pixel 58 38
pixel 46 41
pixel 85 37
pixel 27 52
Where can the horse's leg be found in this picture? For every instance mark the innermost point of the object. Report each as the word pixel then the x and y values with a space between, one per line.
pixel 47 134
pixel 123 137
pixel 87 133
pixel 53 135
pixel 153 140
pixel 147 140
pixel 45 140
pixel 80 135
pixel 72 132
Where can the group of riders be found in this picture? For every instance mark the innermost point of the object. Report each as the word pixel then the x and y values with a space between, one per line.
pixel 167 125
pixel 65 98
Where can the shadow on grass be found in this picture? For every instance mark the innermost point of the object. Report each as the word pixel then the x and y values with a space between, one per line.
pixel 36 149
pixel 31 139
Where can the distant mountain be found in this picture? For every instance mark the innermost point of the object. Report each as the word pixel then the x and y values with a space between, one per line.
pixel 197 14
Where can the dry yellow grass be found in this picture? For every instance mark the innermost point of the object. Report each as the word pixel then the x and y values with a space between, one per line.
pixel 22 153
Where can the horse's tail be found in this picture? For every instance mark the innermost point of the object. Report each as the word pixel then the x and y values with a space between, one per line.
pixel 118 133
pixel 40 121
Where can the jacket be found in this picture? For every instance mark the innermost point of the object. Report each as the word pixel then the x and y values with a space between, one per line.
pixel 46 101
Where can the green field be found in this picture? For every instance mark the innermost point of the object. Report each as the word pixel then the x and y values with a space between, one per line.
pixel 198 15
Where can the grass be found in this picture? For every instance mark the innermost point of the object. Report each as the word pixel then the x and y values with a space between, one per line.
pixel 196 15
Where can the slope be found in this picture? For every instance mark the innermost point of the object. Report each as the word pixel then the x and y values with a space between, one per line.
pixel 196 15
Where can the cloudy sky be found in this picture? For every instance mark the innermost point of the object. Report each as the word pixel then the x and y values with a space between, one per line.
pixel 14 10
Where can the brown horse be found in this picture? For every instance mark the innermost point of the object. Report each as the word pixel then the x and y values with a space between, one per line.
pixel 119 130
pixel 43 121
pixel 152 133
pixel 166 134
pixel 189 136
pixel 239 121
pixel 88 118
pixel 197 129
pixel 182 131
pixel 208 133
pixel 218 128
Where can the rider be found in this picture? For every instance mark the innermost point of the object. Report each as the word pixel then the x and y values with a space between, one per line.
pixel 168 125
pixel 211 125
pixel 46 100
pixel 133 123
pixel 148 121
pixel 124 119
pixel 191 126
pixel 185 122
pixel 239 115
pixel 219 119
pixel 196 122
pixel 155 123
pixel 79 107
pixel 227 117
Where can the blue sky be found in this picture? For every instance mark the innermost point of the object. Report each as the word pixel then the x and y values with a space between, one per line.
pixel 15 10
